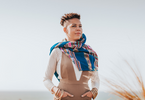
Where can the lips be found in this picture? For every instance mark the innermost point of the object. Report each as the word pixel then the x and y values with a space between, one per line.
pixel 77 33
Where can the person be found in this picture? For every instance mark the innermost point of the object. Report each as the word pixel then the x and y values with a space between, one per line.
pixel 73 62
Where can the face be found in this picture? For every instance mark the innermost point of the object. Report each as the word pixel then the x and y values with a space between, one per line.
pixel 73 29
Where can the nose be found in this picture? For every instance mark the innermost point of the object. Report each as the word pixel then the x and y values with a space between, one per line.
pixel 78 28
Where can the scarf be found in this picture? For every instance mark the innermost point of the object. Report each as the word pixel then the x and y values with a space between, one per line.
pixel 81 54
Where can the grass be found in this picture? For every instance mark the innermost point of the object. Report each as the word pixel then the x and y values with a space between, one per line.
pixel 131 88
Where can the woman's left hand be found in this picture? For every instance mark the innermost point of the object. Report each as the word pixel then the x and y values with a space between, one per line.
pixel 88 94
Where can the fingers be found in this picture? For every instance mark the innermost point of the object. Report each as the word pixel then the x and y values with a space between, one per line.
pixel 84 94
pixel 69 94
pixel 88 94
pixel 66 93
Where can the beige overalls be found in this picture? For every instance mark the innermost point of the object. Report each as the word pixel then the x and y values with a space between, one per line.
pixel 70 84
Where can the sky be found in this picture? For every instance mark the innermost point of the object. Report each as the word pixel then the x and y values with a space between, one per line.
pixel 115 29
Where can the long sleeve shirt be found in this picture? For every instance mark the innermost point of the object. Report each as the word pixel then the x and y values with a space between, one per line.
pixel 54 64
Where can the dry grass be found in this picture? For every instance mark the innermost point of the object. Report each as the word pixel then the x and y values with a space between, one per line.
pixel 125 90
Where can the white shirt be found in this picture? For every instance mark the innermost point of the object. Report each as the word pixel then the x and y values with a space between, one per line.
pixel 54 63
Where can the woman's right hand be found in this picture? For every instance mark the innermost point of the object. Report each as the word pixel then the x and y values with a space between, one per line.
pixel 54 89
pixel 65 94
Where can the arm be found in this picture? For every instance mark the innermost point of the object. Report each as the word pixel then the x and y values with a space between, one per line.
pixel 95 81
pixel 51 67
pixel 52 64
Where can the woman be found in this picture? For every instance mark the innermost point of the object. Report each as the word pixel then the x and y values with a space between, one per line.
pixel 73 63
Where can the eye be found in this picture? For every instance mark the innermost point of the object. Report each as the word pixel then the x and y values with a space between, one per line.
pixel 73 26
pixel 80 26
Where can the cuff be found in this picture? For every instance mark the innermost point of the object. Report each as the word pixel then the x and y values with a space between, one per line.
pixel 94 92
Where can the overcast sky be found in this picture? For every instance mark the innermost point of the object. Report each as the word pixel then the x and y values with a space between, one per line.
pixel 115 29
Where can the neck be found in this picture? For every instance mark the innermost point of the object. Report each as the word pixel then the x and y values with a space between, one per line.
pixel 70 40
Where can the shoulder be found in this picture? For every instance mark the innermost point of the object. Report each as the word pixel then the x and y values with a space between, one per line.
pixel 88 47
pixel 56 53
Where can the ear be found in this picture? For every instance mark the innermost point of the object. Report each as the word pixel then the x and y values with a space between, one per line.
pixel 65 30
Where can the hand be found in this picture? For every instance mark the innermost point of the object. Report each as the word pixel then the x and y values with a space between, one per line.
pixel 88 94
pixel 65 94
